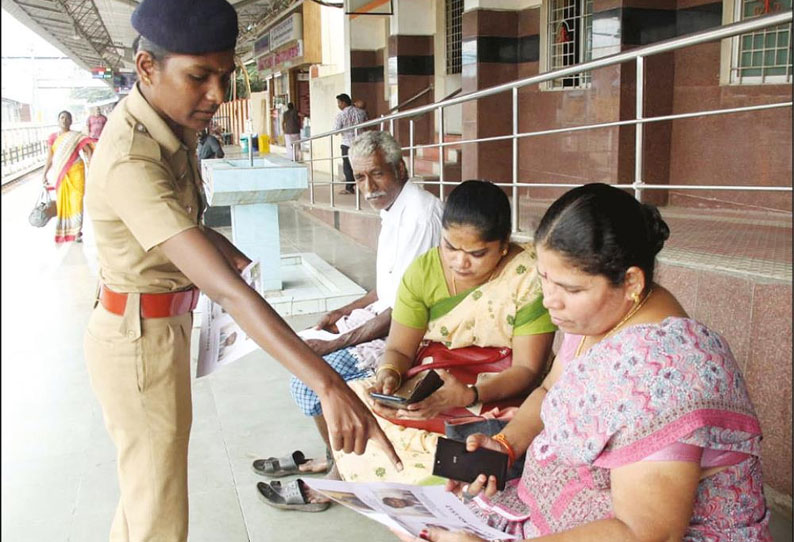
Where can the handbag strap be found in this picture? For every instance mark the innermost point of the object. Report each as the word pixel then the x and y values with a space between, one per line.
pixel 44 196
pixel 492 356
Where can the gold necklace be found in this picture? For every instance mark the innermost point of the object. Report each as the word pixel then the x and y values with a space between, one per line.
pixel 625 319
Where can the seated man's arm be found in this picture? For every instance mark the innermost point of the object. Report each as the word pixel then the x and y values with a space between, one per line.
pixel 376 328
pixel 328 321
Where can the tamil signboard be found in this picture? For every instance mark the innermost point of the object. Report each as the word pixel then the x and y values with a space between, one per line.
pixel 289 53
pixel 283 58
pixel 262 45
pixel 290 29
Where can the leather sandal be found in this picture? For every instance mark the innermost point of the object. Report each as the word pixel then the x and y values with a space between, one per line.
pixel 277 467
pixel 288 496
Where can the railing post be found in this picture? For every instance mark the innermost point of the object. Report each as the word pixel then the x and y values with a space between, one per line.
pixel 515 159
pixel 411 144
pixel 331 200
pixel 638 128
pixel 391 126
pixel 440 153
pixel 311 172
pixel 381 124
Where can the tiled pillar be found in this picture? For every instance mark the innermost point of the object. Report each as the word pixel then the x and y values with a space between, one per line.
pixel 640 24
pixel 490 55
pixel 366 80
pixel 411 70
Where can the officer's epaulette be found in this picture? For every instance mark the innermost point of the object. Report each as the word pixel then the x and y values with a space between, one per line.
pixel 143 145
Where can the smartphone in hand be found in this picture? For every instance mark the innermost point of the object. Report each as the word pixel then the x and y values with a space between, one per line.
pixel 422 390
pixel 454 462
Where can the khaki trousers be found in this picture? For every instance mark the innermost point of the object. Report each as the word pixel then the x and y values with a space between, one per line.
pixel 140 372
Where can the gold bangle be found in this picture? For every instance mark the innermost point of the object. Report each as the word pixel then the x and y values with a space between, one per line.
pixel 394 369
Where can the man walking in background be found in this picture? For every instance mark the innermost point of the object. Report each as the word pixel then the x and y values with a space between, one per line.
pixel 291 125
pixel 349 115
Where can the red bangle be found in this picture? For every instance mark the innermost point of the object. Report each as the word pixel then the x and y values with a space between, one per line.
pixel 511 454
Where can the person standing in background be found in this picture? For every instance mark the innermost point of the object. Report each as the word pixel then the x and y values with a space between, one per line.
pixel 358 103
pixel 68 153
pixel 95 123
pixel 209 146
pixel 291 125
pixel 348 115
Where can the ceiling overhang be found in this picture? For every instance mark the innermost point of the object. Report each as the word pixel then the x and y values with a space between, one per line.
pixel 96 33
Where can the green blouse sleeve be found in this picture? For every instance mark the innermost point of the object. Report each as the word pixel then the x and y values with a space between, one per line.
pixel 533 319
pixel 411 308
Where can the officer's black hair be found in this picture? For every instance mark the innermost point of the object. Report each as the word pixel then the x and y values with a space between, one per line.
pixel 482 205
pixel 603 230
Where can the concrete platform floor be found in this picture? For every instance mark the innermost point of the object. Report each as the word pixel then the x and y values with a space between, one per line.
pixel 58 464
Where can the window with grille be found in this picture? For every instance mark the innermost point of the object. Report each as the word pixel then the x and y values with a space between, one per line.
pixel 763 56
pixel 570 39
pixel 454 22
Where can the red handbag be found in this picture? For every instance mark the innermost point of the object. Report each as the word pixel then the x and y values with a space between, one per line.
pixel 464 364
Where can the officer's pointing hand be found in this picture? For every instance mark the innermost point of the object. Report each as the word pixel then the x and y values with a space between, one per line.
pixel 351 424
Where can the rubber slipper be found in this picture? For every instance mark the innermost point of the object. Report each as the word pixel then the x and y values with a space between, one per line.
pixel 277 467
pixel 289 496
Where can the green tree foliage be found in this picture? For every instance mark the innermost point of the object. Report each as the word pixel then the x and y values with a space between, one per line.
pixel 257 84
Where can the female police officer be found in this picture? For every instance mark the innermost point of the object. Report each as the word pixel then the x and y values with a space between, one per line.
pixel 145 199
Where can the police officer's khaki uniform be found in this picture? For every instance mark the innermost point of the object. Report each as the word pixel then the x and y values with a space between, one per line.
pixel 143 187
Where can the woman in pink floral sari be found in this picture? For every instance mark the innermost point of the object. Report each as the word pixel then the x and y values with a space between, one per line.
pixel 643 430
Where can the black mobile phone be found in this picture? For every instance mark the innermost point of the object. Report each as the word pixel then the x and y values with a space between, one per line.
pixel 454 462
pixel 423 389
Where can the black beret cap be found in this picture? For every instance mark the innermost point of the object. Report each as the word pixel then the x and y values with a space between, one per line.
pixel 190 27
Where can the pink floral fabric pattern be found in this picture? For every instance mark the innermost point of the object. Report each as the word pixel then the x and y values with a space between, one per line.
pixel 629 396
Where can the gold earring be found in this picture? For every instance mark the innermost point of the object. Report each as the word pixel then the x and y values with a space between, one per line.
pixel 504 252
pixel 635 297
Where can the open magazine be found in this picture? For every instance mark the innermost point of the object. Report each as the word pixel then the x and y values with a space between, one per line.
pixel 407 508
pixel 221 341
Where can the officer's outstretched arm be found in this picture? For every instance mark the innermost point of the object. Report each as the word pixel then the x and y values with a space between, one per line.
pixel 236 259
pixel 350 423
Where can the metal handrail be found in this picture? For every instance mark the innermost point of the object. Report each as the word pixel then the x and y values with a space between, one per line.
pixel 416 96
pixel 638 55
pixel 727 31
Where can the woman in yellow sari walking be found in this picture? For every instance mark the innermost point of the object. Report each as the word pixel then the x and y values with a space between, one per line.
pixel 69 153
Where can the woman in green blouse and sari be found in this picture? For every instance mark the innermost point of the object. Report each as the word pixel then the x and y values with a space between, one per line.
pixel 476 296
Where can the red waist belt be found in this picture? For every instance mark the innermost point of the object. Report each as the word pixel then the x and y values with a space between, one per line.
pixel 152 305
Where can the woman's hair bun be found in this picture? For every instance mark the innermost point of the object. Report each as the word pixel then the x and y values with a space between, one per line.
pixel 658 231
